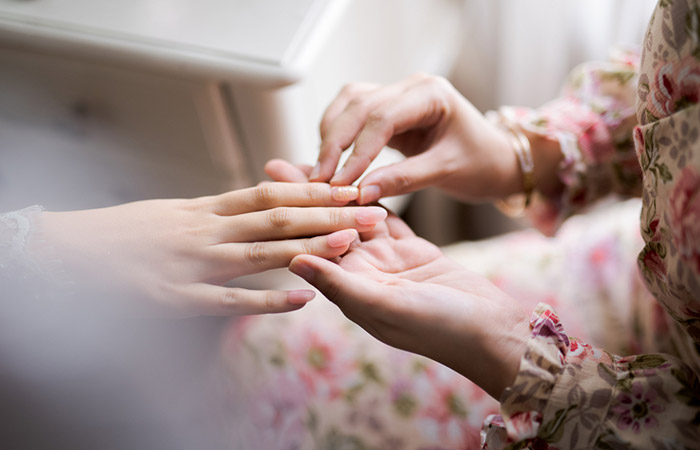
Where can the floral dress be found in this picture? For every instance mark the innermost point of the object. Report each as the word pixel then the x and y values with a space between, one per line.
pixel 569 394
pixel 313 380
pixel 629 377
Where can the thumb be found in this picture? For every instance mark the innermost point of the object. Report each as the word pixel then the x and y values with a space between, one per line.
pixel 338 285
pixel 412 174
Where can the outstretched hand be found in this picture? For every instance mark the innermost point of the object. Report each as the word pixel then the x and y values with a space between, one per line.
pixel 406 293
pixel 173 257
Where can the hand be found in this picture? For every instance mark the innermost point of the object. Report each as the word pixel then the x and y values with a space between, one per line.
pixel 448 142
pixel 174 255
pixel 406 293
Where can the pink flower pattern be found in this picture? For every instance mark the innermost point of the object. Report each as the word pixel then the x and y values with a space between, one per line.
pixel 637 409
pixel 570 392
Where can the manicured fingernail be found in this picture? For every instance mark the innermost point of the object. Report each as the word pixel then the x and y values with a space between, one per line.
pixel 369 194
pixel 345 193
pixel 341 238
pixel 300 297
pixel 315 172
pixel 303 270
pixel 337 175
pixel 371 215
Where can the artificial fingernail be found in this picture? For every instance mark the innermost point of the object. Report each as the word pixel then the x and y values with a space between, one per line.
pixel 369 194
pixel 315 172
pixel 344 193
pixel 300 297
pixel 341 238
pixel 371 215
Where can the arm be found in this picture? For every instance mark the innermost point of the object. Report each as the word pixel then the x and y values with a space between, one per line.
pixel 581 143
pixel 174 257
pixel 571 395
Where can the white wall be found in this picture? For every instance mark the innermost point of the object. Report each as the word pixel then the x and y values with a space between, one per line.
pixel 519 51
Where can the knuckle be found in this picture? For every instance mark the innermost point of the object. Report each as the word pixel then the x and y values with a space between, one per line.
pixel 350 89
pixel 357 103
pixel 378 119
pixel 313 194
pixel 264 194
pixel 270 301
pixel 229 298
pixel 336 217
pixel 280 218
pixel 255 253
pixel 308 247
pixel 360 159
pixel 402 180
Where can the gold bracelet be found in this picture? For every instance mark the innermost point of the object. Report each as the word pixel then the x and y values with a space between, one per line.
pixel 515 205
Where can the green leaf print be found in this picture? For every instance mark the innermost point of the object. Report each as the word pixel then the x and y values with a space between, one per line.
pixel 552 431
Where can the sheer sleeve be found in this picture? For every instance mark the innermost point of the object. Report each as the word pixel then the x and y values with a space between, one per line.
pixel 571 395
pixel 20 272
pixel 592 121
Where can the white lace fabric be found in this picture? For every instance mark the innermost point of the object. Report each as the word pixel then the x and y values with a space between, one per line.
pixel 18 267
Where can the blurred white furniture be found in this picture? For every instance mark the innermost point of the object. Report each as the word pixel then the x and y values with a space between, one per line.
pixel 105 102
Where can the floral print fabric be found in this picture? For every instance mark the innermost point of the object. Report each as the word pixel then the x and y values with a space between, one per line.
pixel 572 395
pixel 314 380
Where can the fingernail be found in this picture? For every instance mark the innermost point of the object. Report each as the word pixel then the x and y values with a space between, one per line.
pixel 341 238
pixel 300 297
pixel 369 194
pixel 345 193
pixel 371 215
pixel 338 175
pixel 315 172
pixel 303 270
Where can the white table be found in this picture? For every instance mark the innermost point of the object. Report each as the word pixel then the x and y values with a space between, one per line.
pixel 186 97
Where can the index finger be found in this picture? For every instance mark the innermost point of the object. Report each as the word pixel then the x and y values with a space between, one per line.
pixel 273 195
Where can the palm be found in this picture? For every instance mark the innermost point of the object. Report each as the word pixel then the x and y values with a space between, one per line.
pixel 393 255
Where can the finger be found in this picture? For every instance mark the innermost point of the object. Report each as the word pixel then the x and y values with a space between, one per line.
pixel 344 128
pixel 338 105
pixel 284 171
pixel 288 223
pixel 208 299
pixel 246 258
pixel 418 108
pixel 345 289
pixel 409 175
pixel 272 195
pixel 397 228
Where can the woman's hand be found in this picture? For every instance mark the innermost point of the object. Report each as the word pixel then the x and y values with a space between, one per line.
pixel 175 255
pixel 448 142
pixel 406 293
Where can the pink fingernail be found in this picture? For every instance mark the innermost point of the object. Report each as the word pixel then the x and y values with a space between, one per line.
pixel 300 297
pixel 341 238
pixel 369 194
pixel 371 215
pixel 315 172
pixel 345 193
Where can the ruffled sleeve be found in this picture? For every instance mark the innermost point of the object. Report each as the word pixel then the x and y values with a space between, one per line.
pixel 570 395
pixel 593 122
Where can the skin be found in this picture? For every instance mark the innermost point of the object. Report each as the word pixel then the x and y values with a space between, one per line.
pixel 406 293
pixel 447 141
pixel 173 257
